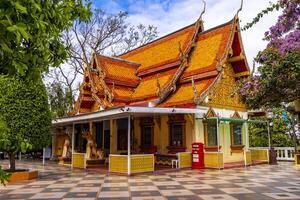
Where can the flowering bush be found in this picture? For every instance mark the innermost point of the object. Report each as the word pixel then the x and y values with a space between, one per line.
pixel 278 76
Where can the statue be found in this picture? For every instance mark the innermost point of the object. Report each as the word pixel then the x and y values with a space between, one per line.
pixel 66 153
pixel 66 149
pixel 91 147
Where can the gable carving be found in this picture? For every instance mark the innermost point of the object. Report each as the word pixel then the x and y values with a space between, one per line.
pixel 225 95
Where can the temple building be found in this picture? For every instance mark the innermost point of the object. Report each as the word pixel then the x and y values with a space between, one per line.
pixel 145 108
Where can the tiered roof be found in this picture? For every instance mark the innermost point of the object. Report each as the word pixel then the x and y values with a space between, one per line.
pixel 162 53
pixel 169 72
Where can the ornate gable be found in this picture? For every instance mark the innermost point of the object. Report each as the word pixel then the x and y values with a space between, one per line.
pixel 236 115
pixel 210 113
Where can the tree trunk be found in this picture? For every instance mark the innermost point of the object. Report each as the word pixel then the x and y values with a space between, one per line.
pixel 12 162
pixel 294 136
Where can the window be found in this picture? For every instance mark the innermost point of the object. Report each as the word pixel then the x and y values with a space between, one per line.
pixel 176 135
pixel 212 139
pixel 237 134
pixel 146 139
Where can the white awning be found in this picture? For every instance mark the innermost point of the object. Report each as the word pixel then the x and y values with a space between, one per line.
pixel 120 112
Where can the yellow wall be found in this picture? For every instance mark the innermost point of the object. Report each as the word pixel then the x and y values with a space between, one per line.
pixel 189 132
pixel 199 134
pixel 225 142
pixel 142 163
pixel 113 136
pixel 162 135
pixel 229 156
pixel 78 160
pixel 118 163
pixel 260 154
pixel 214 160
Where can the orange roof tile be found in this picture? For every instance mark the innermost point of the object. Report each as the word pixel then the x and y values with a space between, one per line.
pixel 123 93
pixel 160 52
pixel 148 86
pixel 185 93
pixel 210 49
pixel 118 69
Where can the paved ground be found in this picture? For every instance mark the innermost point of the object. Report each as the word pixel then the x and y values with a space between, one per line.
pixel 258 182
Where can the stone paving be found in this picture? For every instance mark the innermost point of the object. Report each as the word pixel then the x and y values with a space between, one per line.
pixel 257 182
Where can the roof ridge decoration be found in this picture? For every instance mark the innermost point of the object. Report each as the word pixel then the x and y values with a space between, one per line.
pixel 108 95
pixel 76 106
pixel 196 92
pixel 240 9
pixel 119 59
pixel 93 89
pixel 171 86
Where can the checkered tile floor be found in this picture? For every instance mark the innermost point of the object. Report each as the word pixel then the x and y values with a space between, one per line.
pixel 258 182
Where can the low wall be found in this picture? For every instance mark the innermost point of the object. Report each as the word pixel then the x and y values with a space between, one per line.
pixel 138 163
pixel 259 155
pixel 142 163
pixel 79 160
pixel 118 163
pixel 184 159
pixel 248 160
pixel 297 159
pixel 213 160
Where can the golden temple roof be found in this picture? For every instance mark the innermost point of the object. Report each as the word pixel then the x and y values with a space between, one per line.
pixel 209 50
pixel 148 86
pixel 118 69
pixel 162 51
pixel 138 76
pixel 185 93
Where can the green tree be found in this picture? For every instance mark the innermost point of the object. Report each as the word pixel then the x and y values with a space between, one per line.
pixel 30 33
pixel 60 99
pixel 258 133
pixel 30 42
pixel 4 176
pixel 25 115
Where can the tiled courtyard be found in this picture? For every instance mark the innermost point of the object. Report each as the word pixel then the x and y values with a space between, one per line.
pixel 257 182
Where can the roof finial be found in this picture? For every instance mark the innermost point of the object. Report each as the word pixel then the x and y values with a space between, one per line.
pixel 158 86
pixel 241 7
pixel 203 11
pixel 196 92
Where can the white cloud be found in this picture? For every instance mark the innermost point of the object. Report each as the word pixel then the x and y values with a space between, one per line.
pixel 178 14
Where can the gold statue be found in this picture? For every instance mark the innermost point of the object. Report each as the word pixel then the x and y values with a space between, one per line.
pixel 91 147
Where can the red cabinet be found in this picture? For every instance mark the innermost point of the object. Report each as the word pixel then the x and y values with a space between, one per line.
pixel 197 155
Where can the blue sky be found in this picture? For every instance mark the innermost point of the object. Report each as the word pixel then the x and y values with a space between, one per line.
pixel 171 15
pixel 126 5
